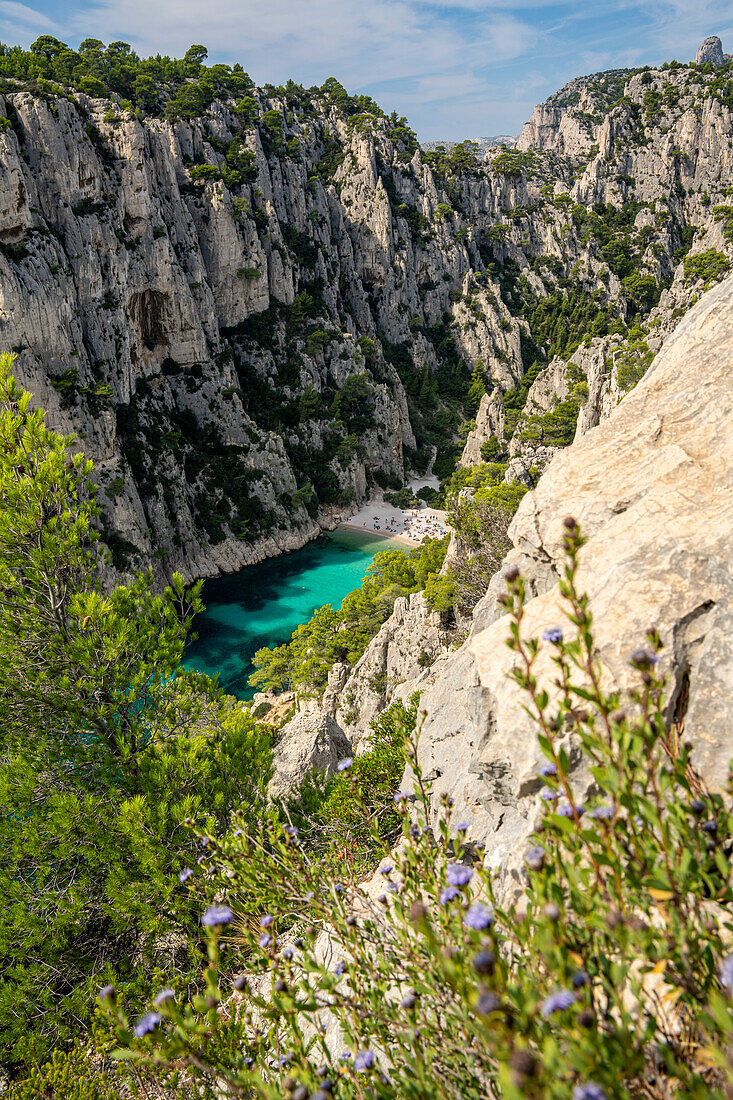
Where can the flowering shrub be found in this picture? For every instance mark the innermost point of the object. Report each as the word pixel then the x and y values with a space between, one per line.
pixel 611 977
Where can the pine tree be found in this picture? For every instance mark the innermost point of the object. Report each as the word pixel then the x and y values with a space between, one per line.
pixel 106 747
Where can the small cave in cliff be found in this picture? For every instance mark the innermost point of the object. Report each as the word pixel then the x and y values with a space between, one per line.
pixel 148 311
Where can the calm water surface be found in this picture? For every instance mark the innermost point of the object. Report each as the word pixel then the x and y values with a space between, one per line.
pixel 263 604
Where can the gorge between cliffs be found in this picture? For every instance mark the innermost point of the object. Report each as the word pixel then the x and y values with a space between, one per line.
pixel 439 803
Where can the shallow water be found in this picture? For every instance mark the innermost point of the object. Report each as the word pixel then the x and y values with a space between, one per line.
pixel 263 604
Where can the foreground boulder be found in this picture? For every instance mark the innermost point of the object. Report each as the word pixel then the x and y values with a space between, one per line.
pixel 309 742
pixel 652 488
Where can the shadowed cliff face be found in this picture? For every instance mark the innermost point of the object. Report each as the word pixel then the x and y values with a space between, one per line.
pixel 248 323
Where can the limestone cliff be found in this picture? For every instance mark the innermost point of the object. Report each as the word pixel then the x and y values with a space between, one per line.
pixel 248 321
pixel 651 487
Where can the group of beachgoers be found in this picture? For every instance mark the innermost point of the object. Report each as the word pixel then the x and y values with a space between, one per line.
pixel 412 525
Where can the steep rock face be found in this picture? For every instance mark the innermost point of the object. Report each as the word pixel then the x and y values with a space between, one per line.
pixel 651 487
pixel 396 662
pixel 249 323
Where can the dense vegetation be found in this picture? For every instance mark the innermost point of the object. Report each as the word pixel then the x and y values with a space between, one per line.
pixel 613 980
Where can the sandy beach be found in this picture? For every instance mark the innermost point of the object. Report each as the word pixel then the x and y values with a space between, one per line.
pixel 409 526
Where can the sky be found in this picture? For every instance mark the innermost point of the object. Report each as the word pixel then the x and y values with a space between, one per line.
pixel 457 69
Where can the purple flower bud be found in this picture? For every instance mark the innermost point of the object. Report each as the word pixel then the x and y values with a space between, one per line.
pixel 457 874
pixel 237 832
pixel 107 993
pixel 602 813
pixel 266 920
pixel 217 915
pixel 487 1003
pixel 288 952
pixel 146 1025
pixel 364 1061
pixel 185 874
pixel 547 768
pixel 554 635
pixel 557 1002
pixel 450 893
pixel 265 940
pixel 339 967
pixel 345 764
pixel 387 869
pixel 548 794
pixel 535 858
pixel 580 978
pixel 725 973
pixel 478 917
pixel 463 827
pixel 588 1091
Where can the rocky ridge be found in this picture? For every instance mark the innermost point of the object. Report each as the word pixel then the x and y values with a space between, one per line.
pixel 192 297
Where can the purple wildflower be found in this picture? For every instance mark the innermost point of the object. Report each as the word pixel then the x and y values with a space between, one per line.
pixel 602 813
pixel 554 635
pixel 588 1091
pixel 567 811
pixel 288 952
pixel 387 869
pixel 557 1002
pixel 146 1025
pixel 184 874
pixel 725 973
pixel 449 894
pixel 344 1055
pixel 266 921
pixel 345 764
pixel 580 978
pixel 463 826
pixel 163 997
pixel 478 917
pixel 217 915
pixel 547 768
pixel 265 940
pixel 339 968
pixel 458 874
pixel 548 794
pixel 107 992
pixel 404 796
pixel 364 1061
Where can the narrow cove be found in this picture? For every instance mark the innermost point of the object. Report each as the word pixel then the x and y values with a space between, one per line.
pixel 263 604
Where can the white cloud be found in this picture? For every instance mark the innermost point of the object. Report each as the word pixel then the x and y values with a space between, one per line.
pixel 447 64
pixel 24 19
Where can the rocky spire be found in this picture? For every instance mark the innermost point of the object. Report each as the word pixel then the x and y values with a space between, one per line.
pixel 711 49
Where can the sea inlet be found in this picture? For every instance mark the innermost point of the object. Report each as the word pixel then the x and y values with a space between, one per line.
pixel 263 604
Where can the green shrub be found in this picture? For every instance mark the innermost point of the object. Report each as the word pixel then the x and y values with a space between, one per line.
pixel 710 266
pixel 351 815
pixel 200 173
pixel 107 746
pixel 614 979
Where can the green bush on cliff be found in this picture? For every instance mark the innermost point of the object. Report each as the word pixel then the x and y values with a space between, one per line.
pixel 612 980
pixel 107 747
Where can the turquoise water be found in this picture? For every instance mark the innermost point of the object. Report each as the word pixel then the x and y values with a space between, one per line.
pixel 263 604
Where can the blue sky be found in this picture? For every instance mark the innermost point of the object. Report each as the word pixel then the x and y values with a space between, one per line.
pixel 462 68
